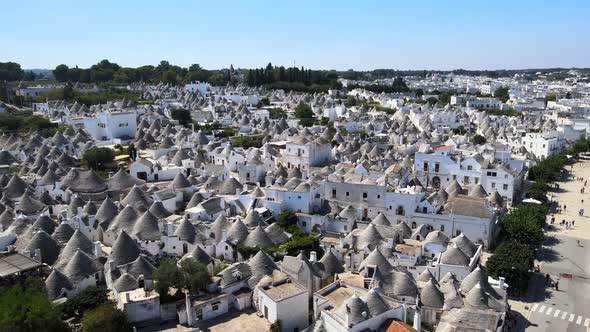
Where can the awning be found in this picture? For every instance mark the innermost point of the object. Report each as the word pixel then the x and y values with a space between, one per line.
pixel 532 201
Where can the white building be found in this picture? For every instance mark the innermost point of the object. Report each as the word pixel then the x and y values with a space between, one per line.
pixel 108 125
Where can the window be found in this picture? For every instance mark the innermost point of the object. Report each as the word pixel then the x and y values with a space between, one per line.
pixel 437 167
pixel 400 211
pixel 493 185
pixel 466 179
pixel 505 187
pixel 442 228
pixel 347 194
pixel 364 195
pixel 469 167
pixel 298 197
pixel 333 192
pixel 476 180
pixel 215 306
pixel 304 224
pixel 424 209
pixel 345 227
pixel 378 196
pixel 425 167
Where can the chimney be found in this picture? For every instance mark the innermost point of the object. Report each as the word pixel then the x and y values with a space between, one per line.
pixel 97 249
pixel 37 254
pixel 170 229
pixel 313 256
pixel 502 282
pixel 390 243
pixel 417 319
pixel 189 310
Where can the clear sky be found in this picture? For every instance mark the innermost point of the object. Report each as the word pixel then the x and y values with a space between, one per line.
pixel 320 34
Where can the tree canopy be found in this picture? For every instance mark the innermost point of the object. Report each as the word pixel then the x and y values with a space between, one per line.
pixel 87 299
pixel 11 71
pixel 478 140
pixel 502 93
pixel 98 158
pixel 182 115
pixel 166 276
pixel 106 71
pixel 524 224
pixel 193 275
pixel 305 114
pixel 513 261
pixel 27 308
pixel 105 318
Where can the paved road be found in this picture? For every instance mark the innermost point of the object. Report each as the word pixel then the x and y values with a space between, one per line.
pixel 567 309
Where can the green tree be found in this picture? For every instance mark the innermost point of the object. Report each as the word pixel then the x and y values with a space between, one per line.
pixel 513 261
pixel 169 76
pixel 193 275
pixel 351 101
pixel 432 100
pixel 166 276
pixel 478 140
pixel 305 114
pixel 182 115
pixel 87 299
pixel 460 130
pixel 27 308
pixel 524 224
pixel 98 158
pixel 502 93
pixel 217 80
pixel 105 318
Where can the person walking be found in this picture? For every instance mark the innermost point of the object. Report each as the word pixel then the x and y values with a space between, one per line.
pixel 557 285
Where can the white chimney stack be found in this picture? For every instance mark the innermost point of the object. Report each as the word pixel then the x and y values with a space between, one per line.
pixel 313 256
pixel 97 249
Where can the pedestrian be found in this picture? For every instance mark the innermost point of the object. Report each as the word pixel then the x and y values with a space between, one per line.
pixel 564 207
pixel 557 285
pixel 573 221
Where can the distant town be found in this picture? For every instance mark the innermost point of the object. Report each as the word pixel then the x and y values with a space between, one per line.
pixel 290 199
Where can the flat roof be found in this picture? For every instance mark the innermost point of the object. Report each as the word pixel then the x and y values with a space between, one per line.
pixel 284 291
pixel 14 262
pixel 337 296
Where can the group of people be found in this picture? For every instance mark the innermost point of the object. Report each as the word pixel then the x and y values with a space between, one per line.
pixel 566 224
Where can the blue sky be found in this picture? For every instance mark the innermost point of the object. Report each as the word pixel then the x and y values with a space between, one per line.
pixel 320 34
